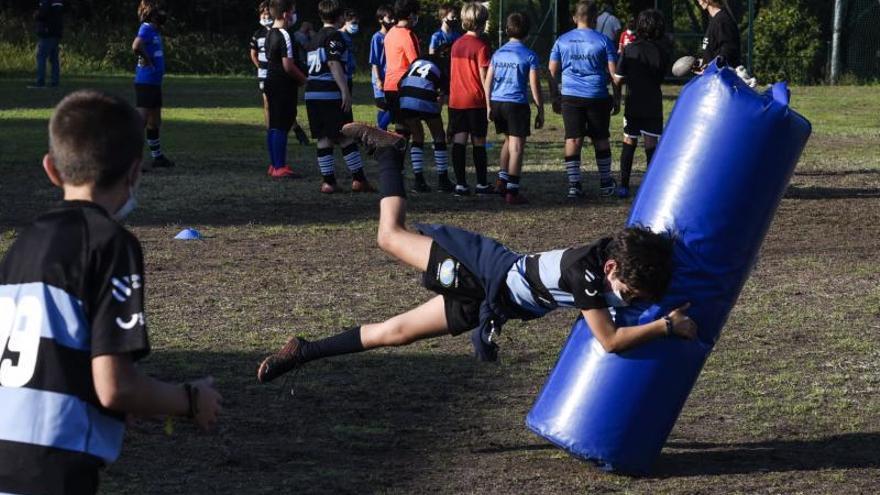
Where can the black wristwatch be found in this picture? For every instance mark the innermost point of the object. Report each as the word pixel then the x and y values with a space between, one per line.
pixel 669 325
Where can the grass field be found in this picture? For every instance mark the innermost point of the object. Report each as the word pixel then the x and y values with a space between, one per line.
pixel 789 402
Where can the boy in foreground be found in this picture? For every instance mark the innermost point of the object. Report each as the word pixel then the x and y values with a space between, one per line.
pixel 72 313
pixel 480 283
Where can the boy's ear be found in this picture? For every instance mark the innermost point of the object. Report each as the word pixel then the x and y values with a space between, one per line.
pixel 51 171
pixel 609 267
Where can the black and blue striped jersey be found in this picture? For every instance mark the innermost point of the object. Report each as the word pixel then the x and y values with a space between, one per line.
pixel 569 278
pixel 71 289
pixel 327 46
pixel 421 85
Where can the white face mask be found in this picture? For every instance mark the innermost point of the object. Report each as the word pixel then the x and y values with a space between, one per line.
pixel 615 299
pixel 353 28
pixel 266 22
pixel 128 207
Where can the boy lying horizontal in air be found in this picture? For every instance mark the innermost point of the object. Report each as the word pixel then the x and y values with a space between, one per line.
pixel 480 284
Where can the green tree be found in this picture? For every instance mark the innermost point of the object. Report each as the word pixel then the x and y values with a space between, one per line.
pixel 787 43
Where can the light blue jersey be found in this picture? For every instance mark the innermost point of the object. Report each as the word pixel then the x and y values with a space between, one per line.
pixel 441 38
pixel 512 64
pixel 584 55
pixel 153 47
pixel 377 58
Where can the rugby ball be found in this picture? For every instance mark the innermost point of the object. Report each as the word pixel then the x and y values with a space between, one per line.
pixel 683 66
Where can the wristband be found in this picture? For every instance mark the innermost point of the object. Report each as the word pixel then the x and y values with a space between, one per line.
pixel 669 325
pixel 192 394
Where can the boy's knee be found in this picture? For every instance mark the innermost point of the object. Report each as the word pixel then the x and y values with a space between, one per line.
pixel 387 238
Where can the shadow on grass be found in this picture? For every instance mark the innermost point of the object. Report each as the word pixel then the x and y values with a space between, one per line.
pixel 354 424
pixel 817 192
pixel 845 451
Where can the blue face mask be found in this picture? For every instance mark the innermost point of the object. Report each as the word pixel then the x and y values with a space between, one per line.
pixel 353 28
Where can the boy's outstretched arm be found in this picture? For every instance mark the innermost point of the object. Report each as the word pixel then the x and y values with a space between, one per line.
pixel 617 340
pixel 121 387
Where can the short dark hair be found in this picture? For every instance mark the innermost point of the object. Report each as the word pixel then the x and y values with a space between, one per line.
pixel 518 25
pixel 651 25
pixel 95 138
pixel 329 10
pixel 277 8
pixel 350 15
pixel 384 10
pixel 644 260
pixel 445 8
pixel 406 8
pixel 264 6
pixel 586 10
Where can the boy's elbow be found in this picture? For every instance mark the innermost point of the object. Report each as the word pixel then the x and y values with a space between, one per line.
pixel 610 346
pixel 114 396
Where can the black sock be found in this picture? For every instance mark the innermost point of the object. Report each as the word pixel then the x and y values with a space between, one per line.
pixel 481 163
pixel 458 162
pixel 649 153
pixel 626 162
pixel 391 172
pixel 513 184
pixel 347 342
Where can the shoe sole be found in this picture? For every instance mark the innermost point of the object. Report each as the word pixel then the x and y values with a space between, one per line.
pixel 372 136
pixel 292 346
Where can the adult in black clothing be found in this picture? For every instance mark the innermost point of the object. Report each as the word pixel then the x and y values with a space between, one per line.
pixel 722 35
pixel 49 27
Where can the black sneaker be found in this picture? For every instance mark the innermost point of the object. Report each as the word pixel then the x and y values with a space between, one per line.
pixel 162 161
pixel 281 362
pixel 444 184
pixel 608 187
pixel 575 191
pixel 420 185
pixel 301 136
pixel 462 190
pixel 373 136
pixel 485 189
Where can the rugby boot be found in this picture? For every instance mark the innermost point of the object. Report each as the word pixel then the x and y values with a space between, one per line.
pixel 162 161
pixel 462 190
pixel 420 185
pixel 362 186
pixel 485 190
pixel 284 172
pixel 515 199
pixel 327 188
pixel 372 136
pixel 287 359
pixel 501 186
pixel 575 190
pixel 608 187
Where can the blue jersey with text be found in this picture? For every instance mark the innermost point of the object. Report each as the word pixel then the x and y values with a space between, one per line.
pixel 441 39
pixel 584 55
pixel 327 46
pixel 420 87
pixel 377 58
pixel 153 47
pixel 512 64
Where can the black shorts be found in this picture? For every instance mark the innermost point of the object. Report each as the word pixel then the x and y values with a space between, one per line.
pixel 586 117
pixel 470 120
pixel 148 95
pixel 636 127
pixel 513 119
pixel 392 104
pixel 326 118
pixel 381 104
pixel 461 290
pixel 262 84
pixel 282 105
pixel 406 114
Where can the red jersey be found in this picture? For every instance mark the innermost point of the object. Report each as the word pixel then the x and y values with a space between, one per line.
pixel 401 50
pixel 626 37
pixel 469 54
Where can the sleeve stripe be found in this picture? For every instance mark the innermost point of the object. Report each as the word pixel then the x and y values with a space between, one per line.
pixel 287 42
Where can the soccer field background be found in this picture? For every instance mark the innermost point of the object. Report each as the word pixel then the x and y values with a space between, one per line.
pixel 789 402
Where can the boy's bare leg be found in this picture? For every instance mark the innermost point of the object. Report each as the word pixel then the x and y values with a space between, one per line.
pixel 395 239
pixel 422 322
